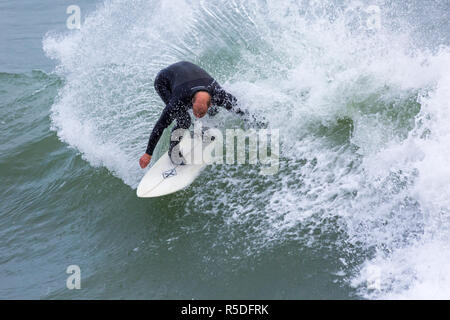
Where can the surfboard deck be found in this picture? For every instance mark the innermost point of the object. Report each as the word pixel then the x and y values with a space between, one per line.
pixel 165 177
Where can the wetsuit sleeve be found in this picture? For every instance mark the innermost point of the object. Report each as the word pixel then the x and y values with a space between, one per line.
pixel 226 100
pixel 229 102
pixel 164 121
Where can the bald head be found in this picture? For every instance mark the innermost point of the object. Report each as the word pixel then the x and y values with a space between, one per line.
pixel 200 103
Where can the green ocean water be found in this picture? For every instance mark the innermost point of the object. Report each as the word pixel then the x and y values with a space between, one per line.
pixel 361 187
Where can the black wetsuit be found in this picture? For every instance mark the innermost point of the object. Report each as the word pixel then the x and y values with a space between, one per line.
pixel 176 85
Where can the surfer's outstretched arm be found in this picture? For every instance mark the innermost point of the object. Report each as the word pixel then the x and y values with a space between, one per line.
pixel 229 102
pixel 163 122
pixel 225 99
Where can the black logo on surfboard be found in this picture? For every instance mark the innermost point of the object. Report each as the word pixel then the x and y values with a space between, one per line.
pixel 169 173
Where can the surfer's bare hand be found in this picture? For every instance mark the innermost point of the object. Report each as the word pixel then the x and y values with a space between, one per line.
pixel 145 160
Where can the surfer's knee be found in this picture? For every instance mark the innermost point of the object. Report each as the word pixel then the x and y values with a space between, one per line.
pixel 175 153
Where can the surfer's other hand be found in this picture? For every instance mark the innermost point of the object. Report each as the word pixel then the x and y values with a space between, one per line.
pixel 145 160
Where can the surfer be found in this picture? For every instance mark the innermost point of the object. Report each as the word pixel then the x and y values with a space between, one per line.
pixel 182 86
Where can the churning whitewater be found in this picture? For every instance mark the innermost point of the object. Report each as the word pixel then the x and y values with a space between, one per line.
pixel 363 112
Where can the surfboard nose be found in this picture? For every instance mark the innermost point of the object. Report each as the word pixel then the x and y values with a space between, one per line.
pixel 140 191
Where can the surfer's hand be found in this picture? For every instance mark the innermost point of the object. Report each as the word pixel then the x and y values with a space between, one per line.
pixel 251 121
pixel 145 160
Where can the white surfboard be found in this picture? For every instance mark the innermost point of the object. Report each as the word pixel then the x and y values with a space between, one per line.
pixel 165 177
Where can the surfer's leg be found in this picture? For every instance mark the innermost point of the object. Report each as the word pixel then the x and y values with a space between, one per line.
pixel 182 123
pixel 162 86
pixel 176 159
